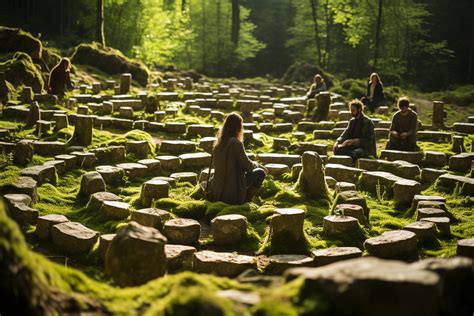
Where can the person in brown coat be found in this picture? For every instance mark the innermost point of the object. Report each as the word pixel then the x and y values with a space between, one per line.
pixel 59 79
pixel 403 128
pixel 236 178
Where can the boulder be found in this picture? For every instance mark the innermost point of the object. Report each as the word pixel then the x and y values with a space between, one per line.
pixel 136 248
pixel 23 214
pixel 73 237
pixel 229 229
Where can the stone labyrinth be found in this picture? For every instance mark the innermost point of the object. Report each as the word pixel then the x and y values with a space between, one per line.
pixel 108 183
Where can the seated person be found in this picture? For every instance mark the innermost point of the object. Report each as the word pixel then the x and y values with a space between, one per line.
pixel 59 79
pixel 375 95
pixel 236 178
pixel 358 139
pixel 318 86
pixel 403 128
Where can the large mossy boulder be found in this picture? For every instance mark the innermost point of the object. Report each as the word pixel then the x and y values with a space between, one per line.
pixel 16 40
pixel 20 70
pixel 110 61
pixel 304 72
pixel 6 88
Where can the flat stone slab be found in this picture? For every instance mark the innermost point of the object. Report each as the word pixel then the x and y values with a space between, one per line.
pixel 73 237
pixel 429 212
pixel 323 257
pixel 279 263
pixel 134 170
pixel 152 217
pixel 285 159
pixel 277 169
pixel 370 179
pixel 169 162
pixel 46 222
pixel 428 198
pixel 153 165
pixel 393 244
pixel 42 174
pixel 23 214
pixel 96 199
pixel 442 224
pixel 423 230
pixel 465 248
pixel 335 224
pixel 465 184
pixel 229 229
pixel 153 190
pixel 412 157
pixel 343 173
pixel 28 186
pixel 182 231
pixel 179 257
pixel 115 209
pixel 195 160
pixel 222 263
pixel 177 146
pixel 371 286
pixel 190 177
pixel 112 175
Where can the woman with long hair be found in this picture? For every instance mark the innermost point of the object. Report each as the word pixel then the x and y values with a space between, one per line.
pixel 236 178
pixel 59 79
pixel 318 85
pixel 375 95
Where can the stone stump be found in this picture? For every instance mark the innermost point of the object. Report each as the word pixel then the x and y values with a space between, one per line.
pixel 229 229
pixel 458 144
pixel 327 256
pixel 182 231
pixel 323 100
pixel 395 244
pixel 438 115
pixel 152 217
pixel 311 179
pixel 153 190
pixel 404 191
pixel 139 249
pixel 46 222
pixel 23 153
pixel 423 230
pixel 340 225
pixel 33 114
pixel 91 182
pixel 125 83
pixel 179 257
pixel 278 264
pixel 83 130
pixel 286 229
pixel 351 210
pixel 28 186
pixel 222 263
pixel 73 237
pixel 27 95
pixel 115 210
pixel 465 248
pixel 61 121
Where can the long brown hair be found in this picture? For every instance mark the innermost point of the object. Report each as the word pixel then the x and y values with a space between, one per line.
pixel 232 127
pixel 376 75
pixel 63 62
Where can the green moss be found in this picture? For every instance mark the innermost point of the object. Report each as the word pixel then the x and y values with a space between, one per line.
pixel 20 70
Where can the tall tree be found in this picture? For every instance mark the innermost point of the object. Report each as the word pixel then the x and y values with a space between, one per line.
pixel 235 22
pixel 377 34
pixel 314 13
pixel 100 37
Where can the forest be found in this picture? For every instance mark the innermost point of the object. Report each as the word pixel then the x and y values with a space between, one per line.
pixel 428 45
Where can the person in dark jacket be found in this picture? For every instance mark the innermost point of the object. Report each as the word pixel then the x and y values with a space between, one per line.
pixel 59 79
pixel 318 86
pixel 358 139
pixel 403 128
pixel 236 178
pixel 375 95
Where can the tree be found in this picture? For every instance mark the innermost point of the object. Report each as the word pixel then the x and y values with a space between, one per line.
pixel 235 22
pixel 377 34
pixel 100 37
pixel 314 13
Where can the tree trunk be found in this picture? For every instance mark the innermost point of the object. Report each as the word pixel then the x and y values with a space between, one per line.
pixel 100 37
pixel 204 35
pixel 183 5
pixel 235 22
pixel 314 12
pixel 328 39
pixel 377 34
pixel 218 29
pixel 471 55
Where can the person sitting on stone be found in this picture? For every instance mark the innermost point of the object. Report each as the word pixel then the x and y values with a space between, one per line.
pixel 358 139
pixel 403 128
pixel 236 178
pixel 318 86
pixel 59 79
pixel 375 95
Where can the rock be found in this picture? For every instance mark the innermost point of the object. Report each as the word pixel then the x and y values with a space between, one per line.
pixel 465 247
pixel 59 165
pixel 311 179
pixel 428 198
pixel 153 165
pixel 83 130
pixel 49 149
pixel 392 155
pixel 153 190
pixel 429 212
pixel 351 210
pixel 341 160
pixel 23 153
pixel 23 214
pixel 343 173
pixel 404 191
pixel 169 162
pixel 330 181
pixel 461 162
pixel 435 159
pixel 104 243
pixel 91 182
pixel 222 263
pixel 73 237
pixel 133 170
pixel 190 177
pixel 327 256
pixel 97 199
pixel 115 209
pixel 140 148
pixel 442 223
pixel 424 230
pixel 286 228
pixel 277 169
pixel 70 161
pixel 179 257
pixel 152 217
pixel 195 161
pixel 370 286
pixel 46 222
pixel 85 160
pixel 340 225
pixel 41 174
pixel 352 197
pixel 34 114
pixel 430 175
pixel 28 186
pixel 136 248
pixel 344 186
pixel 458 144
pixel 229 229
pixel 279 263
pixel 464 185
pixel 110 154
pixel 112 175
pixel 395 244
pixel 372 180
pixel 182 231
pixel 457 277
